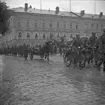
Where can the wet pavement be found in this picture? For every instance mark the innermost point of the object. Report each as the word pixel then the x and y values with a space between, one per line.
pixel 40 82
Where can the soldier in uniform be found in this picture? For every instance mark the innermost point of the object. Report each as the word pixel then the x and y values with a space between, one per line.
pixel 25 51
pixel 102 49
pixel 92 40
pixel 77 41
pixel 76 44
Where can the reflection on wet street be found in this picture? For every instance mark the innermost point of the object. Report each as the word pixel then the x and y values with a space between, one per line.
pixel 40 82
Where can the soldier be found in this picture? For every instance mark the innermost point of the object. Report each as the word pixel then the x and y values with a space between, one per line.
pixel 92 40
pixel 47 50
pixel 77 41
pixel 102 49
pixel 25 51
pixel 76 44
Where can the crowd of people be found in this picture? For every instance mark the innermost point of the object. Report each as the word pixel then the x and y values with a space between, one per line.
pixel 26 49
pixel 48 47
pixel 94 42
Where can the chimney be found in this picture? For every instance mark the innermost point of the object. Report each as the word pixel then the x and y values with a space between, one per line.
pixel 57 10
pixel 82 13
pixel 26 7
pixel 30 6
pixel 101 14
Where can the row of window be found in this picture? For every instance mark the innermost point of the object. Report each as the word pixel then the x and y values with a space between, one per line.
pixel 36 35
pixel 94 26
pixel 50 24
pixel 64 25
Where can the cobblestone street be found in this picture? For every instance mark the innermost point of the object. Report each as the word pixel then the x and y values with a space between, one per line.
pixel 40 82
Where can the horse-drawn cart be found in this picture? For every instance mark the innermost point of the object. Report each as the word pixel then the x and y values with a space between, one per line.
pixel 39 51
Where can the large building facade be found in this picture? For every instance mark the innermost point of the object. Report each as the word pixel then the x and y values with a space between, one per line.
pixel 35 26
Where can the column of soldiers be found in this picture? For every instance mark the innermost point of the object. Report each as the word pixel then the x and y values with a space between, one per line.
pixel 20 50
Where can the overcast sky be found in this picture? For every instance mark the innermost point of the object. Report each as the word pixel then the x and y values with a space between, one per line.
pixel 76 5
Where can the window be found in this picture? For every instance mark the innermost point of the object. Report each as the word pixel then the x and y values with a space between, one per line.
pixel 28 35
pixel 92 25
pixel 18 23
pixel 101 26
pixel 70 25
pixel 27 23
pixel 35 24
pixel 20 35
pixel 44 36
pixel 76 26
pixel 43 24
pixel 58 35
pixel 97 26
pixel 36 35
pixel 50 24
pixel 64 25
pixel 71 36
pixel 57 24
pixel 64 36
pixel 51 35
pixel 85 25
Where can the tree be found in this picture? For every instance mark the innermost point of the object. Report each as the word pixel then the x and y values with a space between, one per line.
pixel 4 16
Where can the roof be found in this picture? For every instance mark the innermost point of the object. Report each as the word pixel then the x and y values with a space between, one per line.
pixel 61 13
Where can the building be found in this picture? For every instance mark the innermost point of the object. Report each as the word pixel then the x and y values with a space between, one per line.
pixel 35 26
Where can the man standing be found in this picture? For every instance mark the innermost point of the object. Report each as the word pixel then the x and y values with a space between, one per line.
pixel 77 41
pixel 92 39
pixel 102 49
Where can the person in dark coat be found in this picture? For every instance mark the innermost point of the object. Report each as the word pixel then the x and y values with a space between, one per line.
pixel 25 50
pixel 102 49
pixel 47 50
pixel 77 41
pixel 92 39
